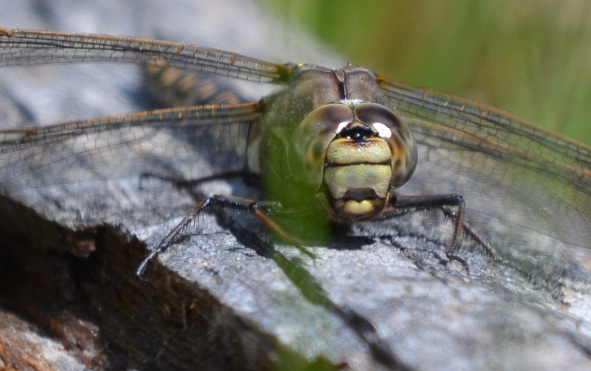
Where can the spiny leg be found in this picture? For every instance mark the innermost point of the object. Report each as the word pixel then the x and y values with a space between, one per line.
pixel 263 210
pixel 467 229
pixel 171 237
pixel 405 204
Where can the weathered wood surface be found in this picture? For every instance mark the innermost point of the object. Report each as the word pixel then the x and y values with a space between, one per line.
pixel 220 299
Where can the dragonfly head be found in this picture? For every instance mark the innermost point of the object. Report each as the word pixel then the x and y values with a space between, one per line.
pixel 354 153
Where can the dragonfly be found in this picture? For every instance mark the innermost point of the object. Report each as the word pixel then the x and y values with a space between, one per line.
pixel 343 145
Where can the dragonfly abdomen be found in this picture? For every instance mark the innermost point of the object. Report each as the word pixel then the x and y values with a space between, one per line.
pixel 173 87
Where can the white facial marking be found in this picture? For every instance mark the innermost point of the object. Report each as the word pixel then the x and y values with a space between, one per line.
pixel 341 126
pixel 382 129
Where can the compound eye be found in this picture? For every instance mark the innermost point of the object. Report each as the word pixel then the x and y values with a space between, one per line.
pixel 311 138
pixel 315 152
pixel 398 135
pixel 379 118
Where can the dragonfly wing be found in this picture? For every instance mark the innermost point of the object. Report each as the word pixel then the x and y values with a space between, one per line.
pixel 29 48
pixel 531 187
pixel 185 142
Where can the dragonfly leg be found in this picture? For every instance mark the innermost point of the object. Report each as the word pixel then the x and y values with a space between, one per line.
pixel 172 236
pixel 467 229
pixel 405 204
pixel 263 210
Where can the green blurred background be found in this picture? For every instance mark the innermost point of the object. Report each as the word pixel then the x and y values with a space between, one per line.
pixel 530 58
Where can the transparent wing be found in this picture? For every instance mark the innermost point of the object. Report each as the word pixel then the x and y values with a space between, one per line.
pixel 188 142
pixel 25 47
pixel 510 172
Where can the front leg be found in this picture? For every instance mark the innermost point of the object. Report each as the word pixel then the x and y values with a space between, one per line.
pixel 263 210
pixel 402 205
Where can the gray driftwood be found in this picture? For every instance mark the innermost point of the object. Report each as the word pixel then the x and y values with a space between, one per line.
pixel 379 297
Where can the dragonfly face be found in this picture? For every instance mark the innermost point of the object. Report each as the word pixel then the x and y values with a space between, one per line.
pixel 340 145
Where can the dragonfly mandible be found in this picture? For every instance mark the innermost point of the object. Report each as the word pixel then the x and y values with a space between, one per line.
pixel 343 139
